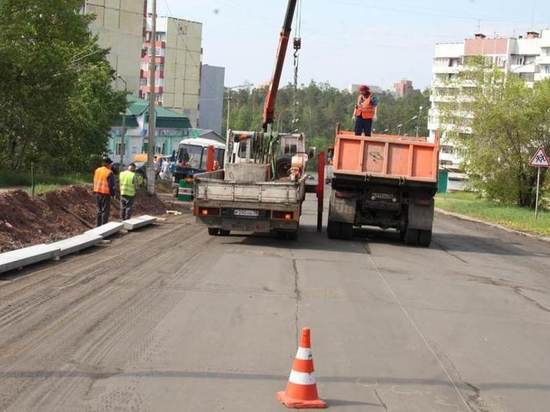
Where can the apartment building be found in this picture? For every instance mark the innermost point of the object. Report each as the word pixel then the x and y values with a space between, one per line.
pixel 178 63
pixel 120 26
pixel 211 98
pixel 527 56
pixel 403 87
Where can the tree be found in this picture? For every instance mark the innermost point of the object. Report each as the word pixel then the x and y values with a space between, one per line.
pixel 57 99
pixel 508 121
pixel 320 107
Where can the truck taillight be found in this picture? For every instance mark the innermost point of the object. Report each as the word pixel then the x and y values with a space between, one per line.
pixel 282 215
pixel 209 211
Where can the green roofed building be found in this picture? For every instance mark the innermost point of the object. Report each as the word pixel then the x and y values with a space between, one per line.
pixel 171 128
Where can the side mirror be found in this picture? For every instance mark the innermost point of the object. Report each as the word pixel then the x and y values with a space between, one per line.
pixel 311 153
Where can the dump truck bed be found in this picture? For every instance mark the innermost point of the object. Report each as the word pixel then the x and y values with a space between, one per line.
pixel 386 156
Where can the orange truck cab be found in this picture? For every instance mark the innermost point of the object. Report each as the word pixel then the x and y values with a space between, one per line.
pixel 386 181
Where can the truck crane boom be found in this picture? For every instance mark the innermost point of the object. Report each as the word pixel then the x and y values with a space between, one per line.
pixel 271 98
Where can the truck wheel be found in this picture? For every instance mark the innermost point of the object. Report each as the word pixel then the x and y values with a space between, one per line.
pixel 333 230
pixel 411 237
pixel 346 231
pixel 424 237
pixel 224 232
pixel 212 231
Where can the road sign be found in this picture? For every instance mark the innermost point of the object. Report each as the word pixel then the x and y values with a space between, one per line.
pixel 540 159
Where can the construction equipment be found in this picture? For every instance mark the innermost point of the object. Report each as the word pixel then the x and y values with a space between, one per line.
pixel 386 181
pixel 263 183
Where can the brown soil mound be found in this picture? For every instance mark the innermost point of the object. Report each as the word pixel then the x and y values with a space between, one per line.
pixel 57 215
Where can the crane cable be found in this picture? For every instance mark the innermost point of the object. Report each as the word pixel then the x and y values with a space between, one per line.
pixel 297 48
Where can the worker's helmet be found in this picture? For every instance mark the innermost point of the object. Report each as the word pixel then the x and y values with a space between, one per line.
pixel 364 88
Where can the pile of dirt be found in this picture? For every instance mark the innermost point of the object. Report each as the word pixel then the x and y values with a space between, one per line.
pixel 57 215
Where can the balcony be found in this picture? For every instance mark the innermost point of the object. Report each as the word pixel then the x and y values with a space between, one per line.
pixel 446 69
pixel 541 76
pixel 523 68
pixel 543 60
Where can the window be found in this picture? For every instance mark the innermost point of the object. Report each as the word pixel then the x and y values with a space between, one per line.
pixel 118 149
pixel 242 150
pixel 528 77
pixel 190 156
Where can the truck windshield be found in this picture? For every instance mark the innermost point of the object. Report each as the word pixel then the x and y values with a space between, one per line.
pixel 190 156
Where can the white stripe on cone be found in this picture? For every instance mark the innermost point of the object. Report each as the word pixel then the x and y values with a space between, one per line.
pixel 304 354
pixel 301 378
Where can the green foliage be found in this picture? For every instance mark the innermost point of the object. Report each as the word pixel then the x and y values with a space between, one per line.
pixel 57 101
pixel 320 107
pixel 471 204
pixel 509 121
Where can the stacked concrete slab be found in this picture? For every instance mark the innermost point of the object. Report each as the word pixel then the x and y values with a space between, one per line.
pixel 27 256
pixel 139 222
pixel 107 230
pixel 17 259
pixel 77 243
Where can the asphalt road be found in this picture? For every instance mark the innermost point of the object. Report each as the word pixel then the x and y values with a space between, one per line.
pixel 170 319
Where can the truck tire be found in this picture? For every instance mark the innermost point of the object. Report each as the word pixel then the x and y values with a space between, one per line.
pixel 346 231
pixel 213 231
pixel 411 237
pixel 224 232
pixel 424 238
pixel 333 230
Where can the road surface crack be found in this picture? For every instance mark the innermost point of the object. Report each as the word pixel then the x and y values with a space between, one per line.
pixel 519 291
pixel 382 403
pixel 297 295
pixel 475 401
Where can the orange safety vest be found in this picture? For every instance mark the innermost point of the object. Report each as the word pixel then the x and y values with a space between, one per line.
pixel 101 180
pixel 364 108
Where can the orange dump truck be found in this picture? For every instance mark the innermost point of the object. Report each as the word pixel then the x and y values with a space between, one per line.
pixel 385 181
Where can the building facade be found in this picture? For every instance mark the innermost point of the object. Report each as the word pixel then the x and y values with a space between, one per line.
pixel 211 98
pixel 527 56
pixel 171 128
pixel 178 65
pixel 120 26
pixel 403 87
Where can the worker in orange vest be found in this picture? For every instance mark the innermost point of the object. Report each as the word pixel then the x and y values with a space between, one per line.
pixel 365 111
pixel 104 189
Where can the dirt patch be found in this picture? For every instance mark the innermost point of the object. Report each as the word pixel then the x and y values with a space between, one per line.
pixel 57 215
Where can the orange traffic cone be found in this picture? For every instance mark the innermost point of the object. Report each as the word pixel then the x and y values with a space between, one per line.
pixel 301 390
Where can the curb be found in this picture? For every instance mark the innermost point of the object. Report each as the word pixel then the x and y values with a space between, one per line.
pixel 493 225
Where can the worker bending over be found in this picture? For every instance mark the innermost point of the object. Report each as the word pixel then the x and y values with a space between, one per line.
pixel 129 181
pixel 104 188
pixel 365 111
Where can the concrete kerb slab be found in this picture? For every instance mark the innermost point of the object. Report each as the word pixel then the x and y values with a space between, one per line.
pixel 139 222
pixel 16 259
pixel 495 225
pixel 107 230
pixel 77 243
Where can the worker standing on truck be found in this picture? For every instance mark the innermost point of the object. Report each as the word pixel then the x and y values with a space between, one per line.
pixel 365 111
pixel 104 188
pixel 128 184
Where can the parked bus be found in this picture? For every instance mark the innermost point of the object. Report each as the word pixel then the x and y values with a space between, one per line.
pixel 192 156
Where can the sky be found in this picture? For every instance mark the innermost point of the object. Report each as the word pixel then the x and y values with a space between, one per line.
pixel 349 41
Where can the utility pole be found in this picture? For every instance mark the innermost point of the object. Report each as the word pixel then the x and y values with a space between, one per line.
pixel 123 136
pixel 418 121
pixel 152 102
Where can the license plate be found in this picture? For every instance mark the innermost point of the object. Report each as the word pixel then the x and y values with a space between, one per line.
pixel 246 213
